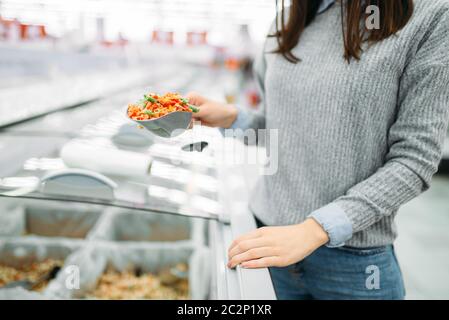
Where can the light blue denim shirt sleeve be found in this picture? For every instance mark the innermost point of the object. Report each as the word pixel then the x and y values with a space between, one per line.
pixel 243 121
pixel 335 222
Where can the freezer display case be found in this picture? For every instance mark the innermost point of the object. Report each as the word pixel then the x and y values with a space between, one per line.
pixel 113 212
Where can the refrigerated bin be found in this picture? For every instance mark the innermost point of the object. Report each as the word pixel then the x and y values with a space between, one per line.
pixel 34 260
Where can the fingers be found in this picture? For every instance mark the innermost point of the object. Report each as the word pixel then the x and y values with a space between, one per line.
pixel 246 245
pixel 251 235
pixel 252 254
pixel 196 99
pixel 259 249
pixel 265 262
pixel 198 115
pixel 198 119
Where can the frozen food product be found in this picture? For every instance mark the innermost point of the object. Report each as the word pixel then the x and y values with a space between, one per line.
pixel 154 106
pixel 129 285
pixel 31 272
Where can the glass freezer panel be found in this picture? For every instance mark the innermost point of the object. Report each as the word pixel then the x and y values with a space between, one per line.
pixel 162 176
pixel 61 200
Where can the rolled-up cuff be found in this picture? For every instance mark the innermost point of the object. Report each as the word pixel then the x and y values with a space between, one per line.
pixel 242 121
pixel 335 222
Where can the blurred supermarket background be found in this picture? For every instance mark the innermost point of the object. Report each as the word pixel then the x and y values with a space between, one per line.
pixel 77 58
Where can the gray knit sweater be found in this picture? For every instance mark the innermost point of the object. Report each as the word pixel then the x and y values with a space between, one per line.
pixel 364 137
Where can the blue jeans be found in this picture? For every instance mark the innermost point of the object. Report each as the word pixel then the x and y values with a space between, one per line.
pixel 341 273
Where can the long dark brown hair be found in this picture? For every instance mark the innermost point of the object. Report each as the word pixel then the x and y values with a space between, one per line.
pixel 394 15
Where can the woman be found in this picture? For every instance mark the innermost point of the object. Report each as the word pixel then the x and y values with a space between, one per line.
pixel 361 115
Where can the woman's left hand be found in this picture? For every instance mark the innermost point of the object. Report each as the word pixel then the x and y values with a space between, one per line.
pixel 277 246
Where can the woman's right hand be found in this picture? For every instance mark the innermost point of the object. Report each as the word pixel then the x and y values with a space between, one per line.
pixel 212 113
